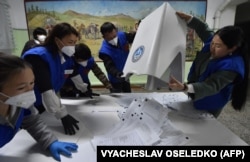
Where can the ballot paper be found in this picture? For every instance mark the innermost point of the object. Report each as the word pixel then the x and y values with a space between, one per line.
pixel 181 104
pixel 161 49
pixel 172 136
pixel 144 122
pixel 186 109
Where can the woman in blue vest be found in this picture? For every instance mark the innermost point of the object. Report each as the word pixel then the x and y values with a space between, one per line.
pixel 114 53
pixel 52 63
pixel 16 107
pixel 84 63
pixel 220 70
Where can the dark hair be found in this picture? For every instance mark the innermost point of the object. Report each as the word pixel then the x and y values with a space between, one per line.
pixel 9 66
pixel 39 31
pixel 234 36
pixel 59 31
pixel 82 51
pixel 138 22
pixel 107 27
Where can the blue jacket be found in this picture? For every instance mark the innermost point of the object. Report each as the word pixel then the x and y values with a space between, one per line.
pixel 83 71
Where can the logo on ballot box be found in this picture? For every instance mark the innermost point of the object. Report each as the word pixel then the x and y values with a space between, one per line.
pixel 138 54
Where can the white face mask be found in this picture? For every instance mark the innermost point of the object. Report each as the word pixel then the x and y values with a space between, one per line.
pixel 23 100
pixel 83 63
pixel 68 50
pixel 41 38
pixel 114 41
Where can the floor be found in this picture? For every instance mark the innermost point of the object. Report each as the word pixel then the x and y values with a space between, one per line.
pixel 237 122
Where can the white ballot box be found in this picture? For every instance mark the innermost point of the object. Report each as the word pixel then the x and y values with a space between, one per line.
pixel 159 47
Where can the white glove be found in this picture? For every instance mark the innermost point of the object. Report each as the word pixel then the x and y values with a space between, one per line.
pixel 80 85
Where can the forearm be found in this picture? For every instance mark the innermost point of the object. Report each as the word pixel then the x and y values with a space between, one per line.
pixel 213 84
pixel 101 76
pixel 38 130
pixel 201 28
pixel 110 65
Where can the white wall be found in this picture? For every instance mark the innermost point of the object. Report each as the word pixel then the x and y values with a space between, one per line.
pixel 226 10
pixel 17 13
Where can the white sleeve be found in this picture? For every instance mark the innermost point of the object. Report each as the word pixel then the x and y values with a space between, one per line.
pixel 190 88
pixel 80 85
pixel 52 104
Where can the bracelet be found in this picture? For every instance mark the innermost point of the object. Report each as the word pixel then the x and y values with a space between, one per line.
pixel 185 87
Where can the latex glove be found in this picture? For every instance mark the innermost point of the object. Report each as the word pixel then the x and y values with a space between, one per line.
pixel 79 84
pixel 89 94
pixel 69 124
pixel 65 148
pixel 95 94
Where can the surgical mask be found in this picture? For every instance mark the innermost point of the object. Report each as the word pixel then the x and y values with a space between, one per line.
pixel 83 63
pixel 41 38
pixel 23 100
pixel 114 41
pixel 68 50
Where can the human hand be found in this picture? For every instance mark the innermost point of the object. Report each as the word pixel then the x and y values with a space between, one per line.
pixel 128 76
pixel 82 87
pixel 88 93
pixel 65 148
pixel 108 86
pixel 184 16
pixel 79 84
pixel 95 94
pixel 119 76
pixel 174 84
pixel 69 124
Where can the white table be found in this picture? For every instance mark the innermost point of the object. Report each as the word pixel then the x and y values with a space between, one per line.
pixel 24 148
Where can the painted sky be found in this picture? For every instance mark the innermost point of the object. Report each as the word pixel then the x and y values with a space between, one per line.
pixel 135 9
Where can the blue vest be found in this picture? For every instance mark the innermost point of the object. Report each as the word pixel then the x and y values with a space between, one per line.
pixel 83 71
pixel 57 70
pixel 219 100
pixel 118 55
pixel 7 132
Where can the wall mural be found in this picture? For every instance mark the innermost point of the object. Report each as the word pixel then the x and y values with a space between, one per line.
pixel 87 16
